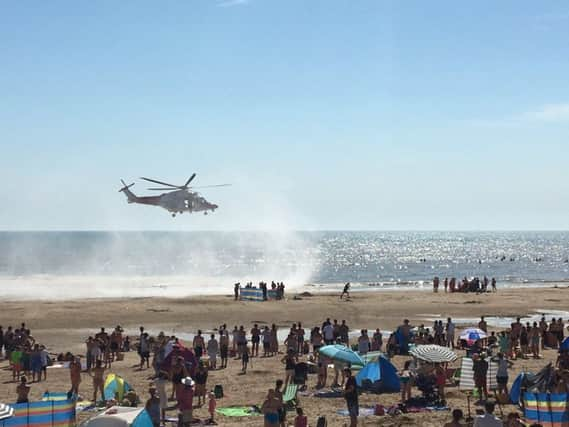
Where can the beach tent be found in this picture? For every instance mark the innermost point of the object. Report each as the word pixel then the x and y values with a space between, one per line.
pixel 547 409
pixel 119 416
pixel 115 386
pixel 467 375
pixel 379 377
pixel 60 413
pixel 516 389
pixel 541 382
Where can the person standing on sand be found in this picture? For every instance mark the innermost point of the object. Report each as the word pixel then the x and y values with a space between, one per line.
pixel 436 282
pixel 236 290
pixel 98 380
pixel 198 345
pixel 450 341
pixel 255 339
pixel 274 340
pixel 75 375
pixel 153 407
pixel 223 348
pixel 480 369
pixel 351 396
pixel 212 350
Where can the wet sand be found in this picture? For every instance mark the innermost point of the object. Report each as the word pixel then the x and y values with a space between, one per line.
pixel 64 325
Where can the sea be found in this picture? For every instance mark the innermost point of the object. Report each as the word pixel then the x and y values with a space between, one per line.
pixel 55 265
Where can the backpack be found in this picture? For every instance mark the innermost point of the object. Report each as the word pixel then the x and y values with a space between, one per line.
pixel 218 391
pixel 321 422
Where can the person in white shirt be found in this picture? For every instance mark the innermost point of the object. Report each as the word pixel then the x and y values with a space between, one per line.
pixel 488 419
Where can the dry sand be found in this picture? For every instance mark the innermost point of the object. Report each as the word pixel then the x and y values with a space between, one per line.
pixel 63 326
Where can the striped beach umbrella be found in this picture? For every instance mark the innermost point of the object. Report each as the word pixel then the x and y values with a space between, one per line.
pixel 433 353
pixel 6 411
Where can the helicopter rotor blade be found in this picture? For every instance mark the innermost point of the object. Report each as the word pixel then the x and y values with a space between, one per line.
pixel 189 180
pixel 159 182
pixel 166 189
pixel 211 186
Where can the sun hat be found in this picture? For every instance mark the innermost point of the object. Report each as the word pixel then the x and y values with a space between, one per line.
pixel 188 381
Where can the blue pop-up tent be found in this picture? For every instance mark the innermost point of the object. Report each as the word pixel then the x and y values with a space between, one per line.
pixel 379 377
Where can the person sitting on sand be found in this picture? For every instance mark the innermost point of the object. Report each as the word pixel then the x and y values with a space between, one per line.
pixel 457 415
pixel 23 390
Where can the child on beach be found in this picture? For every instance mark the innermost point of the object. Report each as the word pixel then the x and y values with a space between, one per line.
pixel 212 404
pixel 301 420
pixel 405 379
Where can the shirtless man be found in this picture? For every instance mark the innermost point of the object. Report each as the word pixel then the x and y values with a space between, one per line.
pixel 255 339
pixel 75 375
pixel 98 380
pixel 23 390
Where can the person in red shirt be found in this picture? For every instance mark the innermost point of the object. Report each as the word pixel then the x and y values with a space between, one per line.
pixel 185 397
pixel 301 420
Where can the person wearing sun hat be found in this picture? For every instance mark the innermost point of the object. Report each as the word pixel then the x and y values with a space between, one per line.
pixel 185 397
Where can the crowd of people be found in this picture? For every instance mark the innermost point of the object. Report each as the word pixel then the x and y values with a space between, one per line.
pixel 476 284
pixel 278 288
pixel 183 366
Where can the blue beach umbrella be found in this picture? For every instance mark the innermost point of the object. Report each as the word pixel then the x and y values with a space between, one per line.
pixel 342 354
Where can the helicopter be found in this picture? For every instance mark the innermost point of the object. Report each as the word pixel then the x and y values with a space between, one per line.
pixel 176 199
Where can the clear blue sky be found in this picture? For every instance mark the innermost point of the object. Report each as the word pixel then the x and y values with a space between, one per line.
pixel 323 114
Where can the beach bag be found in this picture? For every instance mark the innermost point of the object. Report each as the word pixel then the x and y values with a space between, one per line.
pixel 218 391
pixel 321 422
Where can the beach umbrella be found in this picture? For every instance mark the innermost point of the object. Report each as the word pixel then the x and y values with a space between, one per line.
pixel 6 411
pixel 433 353
pixel 472 334
pixel 342 354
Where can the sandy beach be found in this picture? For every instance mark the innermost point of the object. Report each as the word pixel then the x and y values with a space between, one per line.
pixel 63 326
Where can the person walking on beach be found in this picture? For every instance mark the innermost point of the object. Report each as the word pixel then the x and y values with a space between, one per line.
pixel 346 291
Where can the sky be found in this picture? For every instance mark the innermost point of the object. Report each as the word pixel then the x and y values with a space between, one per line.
pixel 352 115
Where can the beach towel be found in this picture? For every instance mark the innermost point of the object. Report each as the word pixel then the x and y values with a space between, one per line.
pixel 364 412
pixel 467 375
pixel 237 411
pixel 328 393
